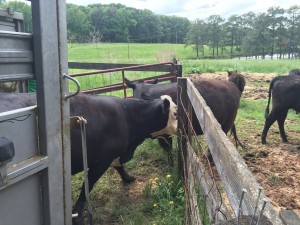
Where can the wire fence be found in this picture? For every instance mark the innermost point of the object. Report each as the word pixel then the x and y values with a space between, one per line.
pixel 219 186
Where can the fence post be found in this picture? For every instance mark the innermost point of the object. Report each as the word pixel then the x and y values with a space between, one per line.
pixel 179 70
pixel 184 112
pixel 182 103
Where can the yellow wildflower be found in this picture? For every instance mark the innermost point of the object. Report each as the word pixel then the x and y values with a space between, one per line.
pixel 154 205
pixel 171 202
pixel 168 176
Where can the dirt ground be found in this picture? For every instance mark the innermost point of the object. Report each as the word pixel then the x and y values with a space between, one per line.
pixel 276 165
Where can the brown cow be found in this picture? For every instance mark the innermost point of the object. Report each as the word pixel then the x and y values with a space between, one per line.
pixel 294 72
pixel 238 79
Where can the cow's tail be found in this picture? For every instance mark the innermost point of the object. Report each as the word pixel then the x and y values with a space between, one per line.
pixel 270 95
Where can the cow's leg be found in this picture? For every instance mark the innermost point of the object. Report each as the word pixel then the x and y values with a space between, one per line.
pixel 236 139
pixel 126 178
pixel 94 174
pixel 268 123
pixel 280 120
pixel 166 143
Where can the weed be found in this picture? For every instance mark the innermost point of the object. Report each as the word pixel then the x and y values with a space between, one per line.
pixel 166 200
pixel 274 178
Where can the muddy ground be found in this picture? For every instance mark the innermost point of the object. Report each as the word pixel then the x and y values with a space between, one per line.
pixel 276 165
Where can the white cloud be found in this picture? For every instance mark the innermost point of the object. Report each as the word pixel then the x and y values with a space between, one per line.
pixel 194 9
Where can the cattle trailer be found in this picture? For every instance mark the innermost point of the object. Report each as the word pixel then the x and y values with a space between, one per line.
pixel 35 162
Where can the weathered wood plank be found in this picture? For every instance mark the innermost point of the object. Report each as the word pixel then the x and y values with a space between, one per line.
pixel 193 203
pixel 206 183
pixel 289 217
pixel 234 173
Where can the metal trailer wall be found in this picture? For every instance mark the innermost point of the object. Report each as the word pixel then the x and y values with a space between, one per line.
pixel 35 187
pixel 13 22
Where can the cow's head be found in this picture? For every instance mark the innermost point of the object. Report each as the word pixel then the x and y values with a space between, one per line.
pixel 139 87
pixel 168 107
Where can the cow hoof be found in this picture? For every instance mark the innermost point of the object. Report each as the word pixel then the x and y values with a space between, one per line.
pixel 77 221
pixel 128 179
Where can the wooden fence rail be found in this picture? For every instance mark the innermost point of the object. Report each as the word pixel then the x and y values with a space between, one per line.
pixel 232 170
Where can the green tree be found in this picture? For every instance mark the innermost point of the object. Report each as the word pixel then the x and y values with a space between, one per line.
pixel 23 8
pixel 215 32
pixel 232 30
pixel 78 24
pixel 257 41
pixel 275 19
pixel 197 36
pixel 293 30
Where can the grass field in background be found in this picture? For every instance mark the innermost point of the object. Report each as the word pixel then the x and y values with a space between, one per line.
pixel 155 53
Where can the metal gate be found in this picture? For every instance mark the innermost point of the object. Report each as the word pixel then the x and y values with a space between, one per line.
pixel 35 178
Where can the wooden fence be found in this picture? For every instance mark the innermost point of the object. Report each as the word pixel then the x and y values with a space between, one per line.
pixel 237 181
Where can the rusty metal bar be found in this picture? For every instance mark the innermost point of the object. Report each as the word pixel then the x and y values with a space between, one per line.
pixel 172 76
pixel 123 80
pixel 119 69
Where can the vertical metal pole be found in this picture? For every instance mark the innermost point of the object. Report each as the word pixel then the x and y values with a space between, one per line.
pixel 65 109
pixel 44 15
pixel 123 80
pixel 256 204
pixel 82 123
pixel 262 210
pixel 240 206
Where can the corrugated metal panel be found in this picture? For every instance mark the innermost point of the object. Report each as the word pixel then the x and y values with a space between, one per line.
pixel 16 56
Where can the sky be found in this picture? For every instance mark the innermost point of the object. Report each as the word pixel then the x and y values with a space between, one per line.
pixel 197 9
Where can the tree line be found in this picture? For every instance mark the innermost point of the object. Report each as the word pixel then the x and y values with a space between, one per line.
pixel 275 32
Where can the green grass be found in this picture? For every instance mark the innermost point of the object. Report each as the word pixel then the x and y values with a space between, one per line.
pixel 126 53
pixel 156 53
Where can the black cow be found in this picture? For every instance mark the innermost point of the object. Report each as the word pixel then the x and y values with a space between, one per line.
pixel 294 72
pixel 115 127
pixel 222 97
pixel 286 92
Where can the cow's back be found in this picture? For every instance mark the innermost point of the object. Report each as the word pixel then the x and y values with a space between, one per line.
pixel 286 92
pixel 106 129
pixel 11 101
pixel 222 97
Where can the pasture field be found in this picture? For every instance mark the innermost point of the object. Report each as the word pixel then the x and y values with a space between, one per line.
pixel 162 202
pixel 157 53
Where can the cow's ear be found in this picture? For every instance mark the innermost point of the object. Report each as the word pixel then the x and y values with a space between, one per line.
pixel 229 73
pixel 129 83
pixel 166 106
pixel 155 81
